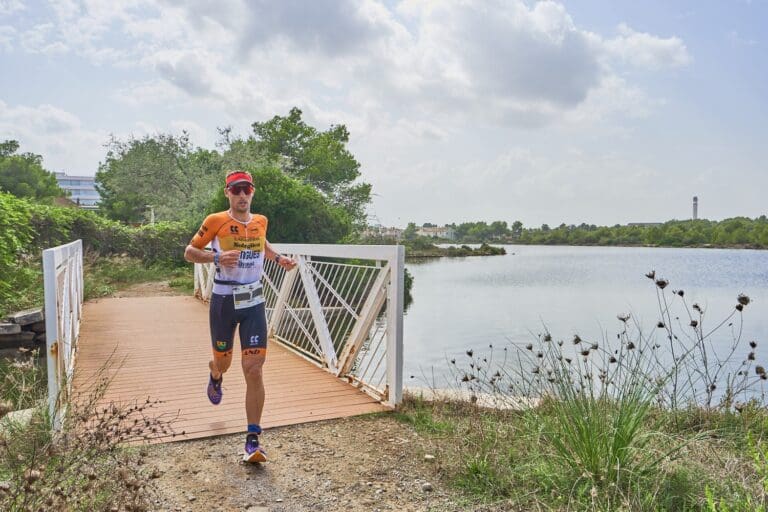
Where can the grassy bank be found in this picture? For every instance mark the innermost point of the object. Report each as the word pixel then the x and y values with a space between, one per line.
pixel 715 462
pixel 429 250
pixel 666 417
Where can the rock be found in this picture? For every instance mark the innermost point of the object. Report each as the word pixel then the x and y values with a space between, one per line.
pixel 256 508
pixel 427 487
pixel 279 500
pixel 28 316
pixel 429 458
pixel 191 497
pixel 38 327
pixel 6 328
pixel 5 486
pixel 16 339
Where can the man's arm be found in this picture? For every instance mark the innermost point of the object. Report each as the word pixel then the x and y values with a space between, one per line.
pixel 194 255
pixel 284 261
pixel 227 258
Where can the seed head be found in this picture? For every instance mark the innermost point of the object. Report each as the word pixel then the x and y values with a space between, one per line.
pixel 559 343
pixel 593 346
pixel 751 356
pixel 651 274
pixel 623 317
pixel 529 346
pixel 759 370
pixel 696 307
pixel 680 292
pixel 743 299
pixel 712 387
pixel 535 370
pixel 585 352
pixel 470 352
pixel 576 339
pixel 739 307
pixel 660 325
pixel 612 359
pixel 753 344
pixel 694 323
pixel 539 355
pixel 662 283
pixel 465 378
pixel 547 337
pixel 630 345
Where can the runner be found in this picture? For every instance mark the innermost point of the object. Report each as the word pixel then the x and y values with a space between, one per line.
pixel 239 245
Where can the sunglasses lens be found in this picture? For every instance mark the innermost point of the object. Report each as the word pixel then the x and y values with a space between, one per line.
pixel 239 189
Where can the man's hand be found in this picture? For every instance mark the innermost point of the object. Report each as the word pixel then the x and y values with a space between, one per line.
pixel 287 263
pixel 229 258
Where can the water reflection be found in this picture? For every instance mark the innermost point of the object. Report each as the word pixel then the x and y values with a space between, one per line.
pixel 463 303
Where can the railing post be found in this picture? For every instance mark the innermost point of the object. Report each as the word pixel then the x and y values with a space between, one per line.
pixel 63 308
pixel 51 333
pixel 395 326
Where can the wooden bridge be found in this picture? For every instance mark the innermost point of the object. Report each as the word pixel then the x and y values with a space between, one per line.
pixel 335 346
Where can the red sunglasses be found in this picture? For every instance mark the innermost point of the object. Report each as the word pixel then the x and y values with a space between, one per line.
pixel 239 189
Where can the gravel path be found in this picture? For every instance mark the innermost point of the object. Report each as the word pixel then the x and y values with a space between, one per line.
pixel 372 463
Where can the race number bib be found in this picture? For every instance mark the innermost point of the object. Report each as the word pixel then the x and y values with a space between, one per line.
pixel 248 295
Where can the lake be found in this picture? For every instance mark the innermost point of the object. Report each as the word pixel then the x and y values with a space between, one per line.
pixel 469 303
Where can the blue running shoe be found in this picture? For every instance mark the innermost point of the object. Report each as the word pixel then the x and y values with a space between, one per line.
pixel 214 390
pixel 253 452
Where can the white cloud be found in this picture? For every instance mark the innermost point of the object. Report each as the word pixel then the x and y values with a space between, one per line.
pixel 646 50
pixel 56 134
pixel 9 7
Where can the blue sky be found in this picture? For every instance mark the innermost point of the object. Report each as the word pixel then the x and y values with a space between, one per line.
pixel 544 112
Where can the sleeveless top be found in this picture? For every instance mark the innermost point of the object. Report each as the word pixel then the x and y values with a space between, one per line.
pixel 225 234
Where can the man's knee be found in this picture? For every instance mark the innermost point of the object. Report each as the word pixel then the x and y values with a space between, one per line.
pixel 253 362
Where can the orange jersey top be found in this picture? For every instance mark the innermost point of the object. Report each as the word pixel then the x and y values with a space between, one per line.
pixel 226 233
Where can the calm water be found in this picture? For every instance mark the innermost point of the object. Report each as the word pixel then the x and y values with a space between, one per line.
pixel 463 303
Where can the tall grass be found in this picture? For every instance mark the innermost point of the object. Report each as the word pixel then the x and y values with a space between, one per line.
pixel 88 465
pixel 618 422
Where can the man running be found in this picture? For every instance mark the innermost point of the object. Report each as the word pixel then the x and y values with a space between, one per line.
pixel 239 245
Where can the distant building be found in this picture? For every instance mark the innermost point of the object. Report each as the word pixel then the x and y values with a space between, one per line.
pixel 695 207
pixel 379 231
pixel 82 190
pixel 645 224
pixel 437 232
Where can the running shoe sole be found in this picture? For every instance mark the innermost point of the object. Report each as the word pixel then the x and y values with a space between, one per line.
pixel 257 456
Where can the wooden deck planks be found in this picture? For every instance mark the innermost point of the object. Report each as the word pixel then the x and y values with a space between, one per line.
pixel 159 347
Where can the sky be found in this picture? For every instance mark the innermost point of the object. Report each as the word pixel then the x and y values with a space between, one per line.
pixel 604 112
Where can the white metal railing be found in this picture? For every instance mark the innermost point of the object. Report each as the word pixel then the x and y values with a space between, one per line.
pixel 341 308
pixel 63 284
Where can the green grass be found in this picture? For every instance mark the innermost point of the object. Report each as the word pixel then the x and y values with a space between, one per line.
pixel 23 382
pixel 105 276
pixel 494 456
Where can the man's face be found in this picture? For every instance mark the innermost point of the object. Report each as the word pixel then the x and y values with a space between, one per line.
pixel 240 196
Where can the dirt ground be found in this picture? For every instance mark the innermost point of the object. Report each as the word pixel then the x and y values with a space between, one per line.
pixel 365 463
pixel 369 463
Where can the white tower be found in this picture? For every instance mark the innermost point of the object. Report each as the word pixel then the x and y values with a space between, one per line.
pixel 695 207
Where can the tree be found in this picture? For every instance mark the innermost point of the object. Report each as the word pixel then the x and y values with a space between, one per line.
pixel 163 173
pixel 318 158
pixel 409 233
pixel 23 175
pixel 297 212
